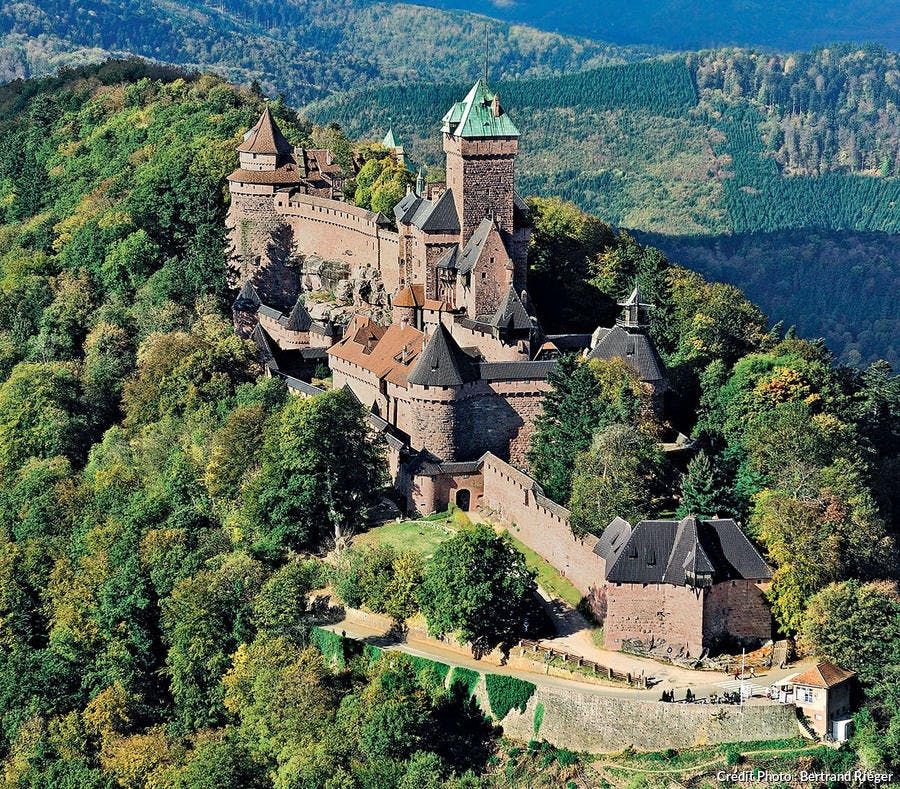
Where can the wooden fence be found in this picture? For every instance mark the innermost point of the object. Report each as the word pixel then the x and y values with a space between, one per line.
pixel 569 658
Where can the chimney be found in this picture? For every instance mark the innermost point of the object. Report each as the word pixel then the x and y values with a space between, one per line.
pixel 496 105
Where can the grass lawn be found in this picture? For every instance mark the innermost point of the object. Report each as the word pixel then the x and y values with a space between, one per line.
pixel 548 577
pixel 421 536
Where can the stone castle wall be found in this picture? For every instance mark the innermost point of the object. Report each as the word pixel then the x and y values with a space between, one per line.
pixel 584 721
pixel 438 492
pixel 292 340
pixel 649 613
pixel 480 173
pixel 335 230
pixel 737 607
pixel 260 244
pixel 542 525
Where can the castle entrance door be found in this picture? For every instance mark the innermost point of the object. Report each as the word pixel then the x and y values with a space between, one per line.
pixel 463 498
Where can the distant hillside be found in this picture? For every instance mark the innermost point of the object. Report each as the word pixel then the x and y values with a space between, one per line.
pixel 695 24
pixel 707 147
pixel 302 48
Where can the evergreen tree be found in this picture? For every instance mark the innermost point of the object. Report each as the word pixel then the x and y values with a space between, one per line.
pixel 700 494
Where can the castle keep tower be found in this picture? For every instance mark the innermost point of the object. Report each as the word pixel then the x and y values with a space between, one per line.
pixel 481 142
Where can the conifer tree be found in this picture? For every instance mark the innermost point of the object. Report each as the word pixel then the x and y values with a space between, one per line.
pixel 700 495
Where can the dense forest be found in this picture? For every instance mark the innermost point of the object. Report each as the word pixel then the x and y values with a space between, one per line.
pixel 708 148
pixel 302 49
pixel 162 502
pixel 802 452
pixel 704 23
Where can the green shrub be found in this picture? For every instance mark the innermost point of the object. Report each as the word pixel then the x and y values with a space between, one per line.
pixel 331 645
pixel 566 758
pixel 431 674
pixel 732 755
pixel 466 678
pixel 507 693
pixel 538 718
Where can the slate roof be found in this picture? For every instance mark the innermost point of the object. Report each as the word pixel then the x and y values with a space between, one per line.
pixel 478 115
pixel 511 314
pixel 430 216
pixel 680 552
pixel 515 371
pixel 442 362
pixel 570 342
pixel 466 260
pixel 430 469
pixel 247 299
pixel 823 675
pixel 521 212
pixel 613 538
pixel 266 137
pixel 443 216
pixel 635 349
pixel 635 298
pixel 298 319
pixel 302 386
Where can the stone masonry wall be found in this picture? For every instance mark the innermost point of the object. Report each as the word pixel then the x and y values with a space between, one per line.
pixel 434 493
pixel 480 173
pixel 335 230
pixel 586 721
pixel 654 612
pixel 544 529
pixel 260 245
pixel 736 607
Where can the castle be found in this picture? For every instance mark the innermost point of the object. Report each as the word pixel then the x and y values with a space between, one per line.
pixel 426 318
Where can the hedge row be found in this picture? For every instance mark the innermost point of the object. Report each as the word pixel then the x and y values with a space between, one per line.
pixel 507 693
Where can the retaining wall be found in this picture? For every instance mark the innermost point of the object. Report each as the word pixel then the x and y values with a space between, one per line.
pixel 585 721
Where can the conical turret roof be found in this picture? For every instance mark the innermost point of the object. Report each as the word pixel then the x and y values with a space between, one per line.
pixel 442 362
pixel 479 114
pixel 512 313
pixel 248 299
pixel 299 319
pixel 266 137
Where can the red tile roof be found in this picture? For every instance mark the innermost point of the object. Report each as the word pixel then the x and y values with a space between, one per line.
pixel 410 296
pixel 824 675
pixel 288 175
pixel 266 137
pixel 389 352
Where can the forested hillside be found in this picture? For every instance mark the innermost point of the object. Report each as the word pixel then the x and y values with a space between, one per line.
pixel 705 23
pixel 302 49
pixel 156 491
pixel 711 147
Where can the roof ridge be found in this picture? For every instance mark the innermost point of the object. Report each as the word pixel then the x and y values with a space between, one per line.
pixel 442 362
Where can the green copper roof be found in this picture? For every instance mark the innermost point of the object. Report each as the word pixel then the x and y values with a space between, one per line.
pixel 475 116
pixel 390 141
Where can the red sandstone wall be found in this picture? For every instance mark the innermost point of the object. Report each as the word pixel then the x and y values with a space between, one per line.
pixel 646 612
pixel 490 348
pixel 736 609
pixel 481 175
pixel 335 230
pixel 510 493
pixel 434 494
pixel 292 340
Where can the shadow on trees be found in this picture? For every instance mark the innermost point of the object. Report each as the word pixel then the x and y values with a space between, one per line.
pixel 839 285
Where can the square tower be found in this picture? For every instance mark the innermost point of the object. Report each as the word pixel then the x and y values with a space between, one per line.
pixel 481 142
